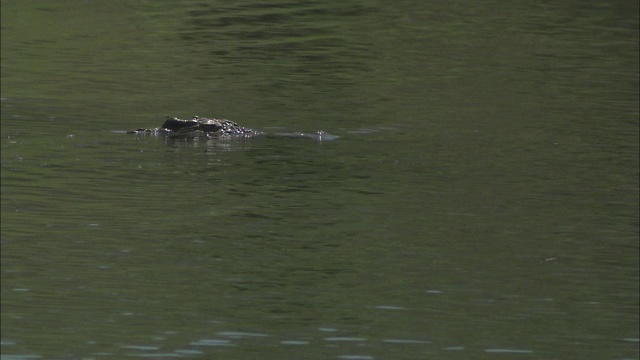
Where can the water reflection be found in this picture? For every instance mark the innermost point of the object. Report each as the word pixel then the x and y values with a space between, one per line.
pixel 310 34
pixel 312 46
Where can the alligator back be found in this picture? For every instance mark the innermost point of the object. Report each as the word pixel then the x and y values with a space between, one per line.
pixel 197 126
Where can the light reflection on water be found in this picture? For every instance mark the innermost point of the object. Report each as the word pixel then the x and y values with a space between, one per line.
pixel 233 338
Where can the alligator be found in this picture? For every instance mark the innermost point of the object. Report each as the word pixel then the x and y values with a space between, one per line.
pixel 215 128
pixel 198 126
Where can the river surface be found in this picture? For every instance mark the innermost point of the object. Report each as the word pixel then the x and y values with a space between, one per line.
pixel 479 201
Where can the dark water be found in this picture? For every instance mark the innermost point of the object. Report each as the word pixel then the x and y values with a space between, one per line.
pixel 481 200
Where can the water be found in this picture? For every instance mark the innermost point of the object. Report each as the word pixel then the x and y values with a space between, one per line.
pixel 480 201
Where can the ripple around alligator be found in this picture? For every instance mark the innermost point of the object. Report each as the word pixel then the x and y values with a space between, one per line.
pixel 277 132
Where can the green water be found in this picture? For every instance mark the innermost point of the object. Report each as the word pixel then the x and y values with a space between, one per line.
pixel 480 201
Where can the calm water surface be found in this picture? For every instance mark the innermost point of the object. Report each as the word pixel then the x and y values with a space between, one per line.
pixel 480 201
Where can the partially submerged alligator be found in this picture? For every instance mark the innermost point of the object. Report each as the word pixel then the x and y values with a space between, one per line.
pixel 215 128
pixel 197 127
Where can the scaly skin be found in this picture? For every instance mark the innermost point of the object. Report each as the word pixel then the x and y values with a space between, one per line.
pixel 198 126
pixel 216 128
